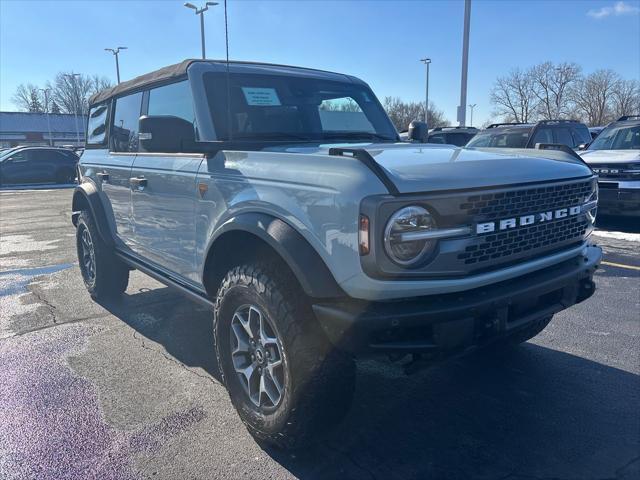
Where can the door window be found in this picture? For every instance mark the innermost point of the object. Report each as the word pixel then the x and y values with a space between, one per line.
pixel 436 138
pixel 97 125
pixel 124 134
pixel 174 100
pixel 543 135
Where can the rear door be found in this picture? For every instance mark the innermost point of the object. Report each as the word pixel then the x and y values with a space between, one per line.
pixel 114 169
pixel 164 197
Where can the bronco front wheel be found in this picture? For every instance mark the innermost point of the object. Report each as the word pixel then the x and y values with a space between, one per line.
pixel 284 378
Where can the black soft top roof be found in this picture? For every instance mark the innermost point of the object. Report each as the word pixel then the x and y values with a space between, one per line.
pixel 179 70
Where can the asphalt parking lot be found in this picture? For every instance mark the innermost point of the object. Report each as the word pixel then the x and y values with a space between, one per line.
pixel 130 389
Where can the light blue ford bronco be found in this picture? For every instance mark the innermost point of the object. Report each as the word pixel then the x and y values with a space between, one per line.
pixel 282 198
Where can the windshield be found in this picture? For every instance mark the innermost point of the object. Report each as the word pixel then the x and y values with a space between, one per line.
pixel 618 138
pixel 286 107
pixel 501 138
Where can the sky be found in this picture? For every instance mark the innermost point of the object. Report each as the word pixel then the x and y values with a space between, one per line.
pixel 378 41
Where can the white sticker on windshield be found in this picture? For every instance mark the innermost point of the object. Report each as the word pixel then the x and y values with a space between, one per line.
pixel 261 96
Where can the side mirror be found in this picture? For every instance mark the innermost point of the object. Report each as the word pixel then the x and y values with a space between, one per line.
pixel 418 131
pixel 164 133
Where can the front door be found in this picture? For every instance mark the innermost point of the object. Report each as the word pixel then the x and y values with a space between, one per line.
pixel 164 196
pixel 164 192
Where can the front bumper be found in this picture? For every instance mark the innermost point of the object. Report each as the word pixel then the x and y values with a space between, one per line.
pixel 448 323
pixel 619 198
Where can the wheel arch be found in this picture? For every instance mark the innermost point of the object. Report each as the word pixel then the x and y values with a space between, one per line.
pixel 86 197
pixel 257 236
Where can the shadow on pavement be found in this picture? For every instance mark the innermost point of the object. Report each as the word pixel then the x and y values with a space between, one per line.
pixel 531 412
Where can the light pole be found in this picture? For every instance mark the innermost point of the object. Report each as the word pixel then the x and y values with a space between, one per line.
pixel 115 52
pixel 200 11
pixel 46 107
pixel 427 62
pixel 471 107
pixel 73 77
pixel 462 108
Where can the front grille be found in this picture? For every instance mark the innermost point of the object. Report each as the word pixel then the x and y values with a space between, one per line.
pixel 625 171
pixel 524 242
pixel 495 206
pixel 524 239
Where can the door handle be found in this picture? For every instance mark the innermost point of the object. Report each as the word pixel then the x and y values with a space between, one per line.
pixel 139 182
pixel 104 177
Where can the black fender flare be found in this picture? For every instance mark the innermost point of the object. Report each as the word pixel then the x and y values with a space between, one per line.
pixel 88 194
pixel 312 273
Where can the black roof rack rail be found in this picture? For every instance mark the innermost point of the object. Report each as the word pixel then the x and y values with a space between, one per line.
pixel 366 158
pixel 559 120
pixel 628 117
pixel 459 127
pixel 494 125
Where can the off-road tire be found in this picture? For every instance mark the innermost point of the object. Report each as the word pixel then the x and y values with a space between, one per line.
pixel 111 275
pixel 319 380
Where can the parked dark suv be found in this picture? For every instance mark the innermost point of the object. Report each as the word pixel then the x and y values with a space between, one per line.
pixel 458 136
pixel 526 135
pixel 37 165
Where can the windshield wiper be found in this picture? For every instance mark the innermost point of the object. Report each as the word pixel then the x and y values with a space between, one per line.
pixel 273 136
pixel 357 136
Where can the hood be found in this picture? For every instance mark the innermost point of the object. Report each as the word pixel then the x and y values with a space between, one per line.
pixel 417 168
pixel 610 156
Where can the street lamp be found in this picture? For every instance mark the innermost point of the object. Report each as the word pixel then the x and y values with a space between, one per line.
pixel 472 106
pixel 200 11
pixel 427 62
pixel 76 94
pixel 46 107
pixel 115 52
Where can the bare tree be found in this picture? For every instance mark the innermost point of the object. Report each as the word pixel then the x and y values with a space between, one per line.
pixel 402 113
pixel 72 92
pixel 553 88
pixel 514 96
pixel 341 105
pixel 28 99
pixel 593 96
pixel 625 98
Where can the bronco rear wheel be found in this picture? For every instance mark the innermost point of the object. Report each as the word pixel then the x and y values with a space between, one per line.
pixel 284 378
pixel 104 275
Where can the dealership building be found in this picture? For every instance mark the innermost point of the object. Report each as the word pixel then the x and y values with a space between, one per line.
pixel 23 128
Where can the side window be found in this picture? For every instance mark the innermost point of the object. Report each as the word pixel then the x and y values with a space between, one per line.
pixel 20 157
pixel 124 132
pixel 97 125
pixel 563 136
pixel 543 135
pixel 343 115
pixel 174 99
pixel 581 135
pixel 436 138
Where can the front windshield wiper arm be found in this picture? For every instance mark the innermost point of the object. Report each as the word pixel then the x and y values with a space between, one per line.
pixel 273 136
pixel 357 136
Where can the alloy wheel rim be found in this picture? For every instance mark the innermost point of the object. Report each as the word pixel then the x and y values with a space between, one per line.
pixel 88 255
pixel 256 353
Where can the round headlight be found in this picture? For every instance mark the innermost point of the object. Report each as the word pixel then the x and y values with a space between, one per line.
pixel 399 235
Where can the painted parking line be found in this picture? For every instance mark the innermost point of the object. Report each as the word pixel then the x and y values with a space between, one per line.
pixel 620 265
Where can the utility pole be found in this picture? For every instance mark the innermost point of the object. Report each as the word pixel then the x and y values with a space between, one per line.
pixel 462 108
pixel 76 94
pixel 427 62
pixel 200 11
pixel 471 107
pixel 115 52
pixel 46 107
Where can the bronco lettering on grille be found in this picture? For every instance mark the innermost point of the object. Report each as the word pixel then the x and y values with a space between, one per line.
pixel 509 223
